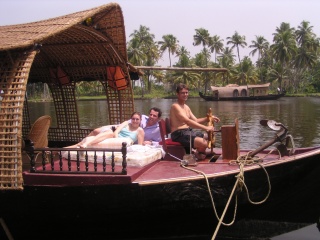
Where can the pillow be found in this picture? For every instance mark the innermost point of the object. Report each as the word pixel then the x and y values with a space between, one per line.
pixel 113 143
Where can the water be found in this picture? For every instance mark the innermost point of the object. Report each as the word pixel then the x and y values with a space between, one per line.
pixel 300 115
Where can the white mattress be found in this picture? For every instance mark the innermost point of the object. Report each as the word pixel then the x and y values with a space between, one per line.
pixel 137 155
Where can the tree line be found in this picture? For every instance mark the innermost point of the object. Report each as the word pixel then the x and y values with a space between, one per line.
pixel 290 62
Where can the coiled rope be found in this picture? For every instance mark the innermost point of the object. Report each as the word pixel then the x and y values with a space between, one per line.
pixel 242 161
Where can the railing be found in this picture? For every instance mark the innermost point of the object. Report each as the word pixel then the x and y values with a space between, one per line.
pixel 83 160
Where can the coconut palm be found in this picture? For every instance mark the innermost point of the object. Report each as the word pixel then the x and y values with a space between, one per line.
pixel 306 56
pixel 202 37
pixel 228 53
pixel 184 57
pixel 135 54
pixel 215 45
pixel 226 60
pixel 260 45
pixel 189 78
pixel 169 43
pixel 249 75
pixel 143 36
pixel 237 40
pixel 284 48
pixel 304 33
pixel 277 73
pixel 145 42
pixel 284 27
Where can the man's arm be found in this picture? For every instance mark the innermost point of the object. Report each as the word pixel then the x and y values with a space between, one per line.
pixel 204 119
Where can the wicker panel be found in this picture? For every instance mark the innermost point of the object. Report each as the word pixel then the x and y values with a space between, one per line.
pixel 119 102
pixel 14 70
pixel 66 108
pixel 26 124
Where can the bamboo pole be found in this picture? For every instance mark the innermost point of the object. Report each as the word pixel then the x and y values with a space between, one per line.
pixel 181 69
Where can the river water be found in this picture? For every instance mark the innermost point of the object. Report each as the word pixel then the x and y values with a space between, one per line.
pixel 300 115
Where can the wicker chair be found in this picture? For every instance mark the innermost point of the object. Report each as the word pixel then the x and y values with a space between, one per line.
pixel 39 133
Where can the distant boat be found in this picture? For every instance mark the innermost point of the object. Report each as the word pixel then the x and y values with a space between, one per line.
pixel 234 92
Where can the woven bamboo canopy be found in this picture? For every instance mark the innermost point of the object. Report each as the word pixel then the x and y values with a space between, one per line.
pixel 60 52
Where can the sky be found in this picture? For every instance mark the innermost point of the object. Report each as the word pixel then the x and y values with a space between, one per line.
pixel 250 18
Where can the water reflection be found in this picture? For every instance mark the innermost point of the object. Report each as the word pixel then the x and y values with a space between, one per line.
pixel 300 115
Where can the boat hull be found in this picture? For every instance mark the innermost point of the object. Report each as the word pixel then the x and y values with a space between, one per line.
pixel 168 208
pixel 245 98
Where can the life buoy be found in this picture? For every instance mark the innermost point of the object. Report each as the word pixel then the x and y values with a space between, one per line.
pixel 116 78
pixel 59 75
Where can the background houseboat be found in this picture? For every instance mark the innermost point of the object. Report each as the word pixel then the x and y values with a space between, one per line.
pixel 233 92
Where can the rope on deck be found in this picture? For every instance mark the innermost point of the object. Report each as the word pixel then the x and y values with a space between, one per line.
pixel 242 161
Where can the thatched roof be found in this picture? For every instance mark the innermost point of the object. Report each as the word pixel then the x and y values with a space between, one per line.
pixel 266 85
pixel 108 18
pixel 88 39
pixel 81 45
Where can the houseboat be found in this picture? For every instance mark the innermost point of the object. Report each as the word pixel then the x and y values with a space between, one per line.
pixel 234 92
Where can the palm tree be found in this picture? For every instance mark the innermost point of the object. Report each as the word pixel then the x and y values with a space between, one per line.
pixel 237 40
pixel 135 54
pixel 226 60
pixel 284 47
pixel 276 73
pixel 189 78
pixel 304 33
pixel 202 36
pixel 183 51
pixel 228 53
pixel 306 56
pixel 260 45
pixel 284 27
pixel 143 36
pixel 184 57
pixel 215 45
pixel 145 42
pixel 249 75
pixel 169 43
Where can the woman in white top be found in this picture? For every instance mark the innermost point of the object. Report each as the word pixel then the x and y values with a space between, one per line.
pixel 124 130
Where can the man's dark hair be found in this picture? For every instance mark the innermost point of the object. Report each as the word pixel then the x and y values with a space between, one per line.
pixel 156 110
pixel 181 86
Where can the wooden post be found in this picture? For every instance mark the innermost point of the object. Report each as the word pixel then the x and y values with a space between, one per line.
pixel 230 141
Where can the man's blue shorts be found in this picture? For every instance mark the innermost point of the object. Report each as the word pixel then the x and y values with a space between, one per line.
pixel 183 136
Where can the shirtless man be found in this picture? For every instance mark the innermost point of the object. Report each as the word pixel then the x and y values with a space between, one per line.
pixel 182 119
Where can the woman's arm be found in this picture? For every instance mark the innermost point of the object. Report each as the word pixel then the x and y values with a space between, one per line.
pixel 140 135
pixel 119 128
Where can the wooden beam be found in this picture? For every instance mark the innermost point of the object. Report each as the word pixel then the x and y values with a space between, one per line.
pixel 181 69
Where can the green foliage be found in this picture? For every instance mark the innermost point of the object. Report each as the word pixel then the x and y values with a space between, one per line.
pixel 291 62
